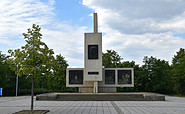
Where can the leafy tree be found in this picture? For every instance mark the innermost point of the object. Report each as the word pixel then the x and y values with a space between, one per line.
pixel 155 76
pixel 111 59
pixel 60 72
pixel 127 64
pixel 34 59
pixel 7 77
pixel 178 72
pixel 3 69
pixel 57 79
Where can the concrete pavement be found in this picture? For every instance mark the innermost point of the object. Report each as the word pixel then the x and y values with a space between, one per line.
pixel 172 105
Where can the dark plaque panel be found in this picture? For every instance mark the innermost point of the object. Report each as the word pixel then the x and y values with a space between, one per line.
pixel 124 77
pixel 109 76
pixel 92 51
pixel 75 76
pixel 93 73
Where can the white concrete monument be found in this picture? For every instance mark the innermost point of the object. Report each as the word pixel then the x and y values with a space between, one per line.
pixel 93 78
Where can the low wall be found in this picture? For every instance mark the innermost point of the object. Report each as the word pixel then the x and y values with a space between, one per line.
pixel 101 97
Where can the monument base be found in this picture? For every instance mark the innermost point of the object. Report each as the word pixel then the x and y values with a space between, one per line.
pixel 100 97
pixel 107 90
pixel 85 89
pixel 100 90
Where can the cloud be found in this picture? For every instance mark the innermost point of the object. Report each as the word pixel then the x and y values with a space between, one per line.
pixel 17 16
pixel 135 47
pixel 138 28
pixel 133 28
pixel 140 16
pixel 67 40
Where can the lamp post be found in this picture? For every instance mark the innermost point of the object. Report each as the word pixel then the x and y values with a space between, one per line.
pixel 16 83
pixel 32 90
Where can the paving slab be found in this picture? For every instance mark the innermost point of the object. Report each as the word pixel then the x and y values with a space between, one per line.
pixel 172 105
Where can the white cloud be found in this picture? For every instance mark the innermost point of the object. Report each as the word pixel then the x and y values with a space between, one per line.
pixel 67 40
pixel 17 16
pixel 138 28
pixel 133 28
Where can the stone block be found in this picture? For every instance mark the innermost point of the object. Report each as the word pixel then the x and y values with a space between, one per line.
pixel 107 90
pixel 86 89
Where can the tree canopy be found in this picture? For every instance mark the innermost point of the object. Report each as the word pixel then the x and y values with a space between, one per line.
pixel 178 72
pixel 7 77
pixel 33 59
pixel 156 74
pixel 111 59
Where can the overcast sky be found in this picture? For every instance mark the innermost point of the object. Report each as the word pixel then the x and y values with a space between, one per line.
pixel 133 28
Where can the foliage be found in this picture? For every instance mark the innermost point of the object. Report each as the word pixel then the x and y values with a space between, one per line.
pixel 7 77
pixel 57 79
pixel 51 82
pixel 111 59
pixel 155 77
pixel 3 69
pixel 34 59
pixel 59 73
pixel 178 72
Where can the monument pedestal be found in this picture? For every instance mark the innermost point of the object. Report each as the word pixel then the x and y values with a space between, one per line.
pixel 100 97
pixel 100 89
pixel 85 89
pixel 107 89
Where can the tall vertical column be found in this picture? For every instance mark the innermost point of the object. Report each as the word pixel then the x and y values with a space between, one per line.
pixel 95 31
pixel 93 56
pixel 95 23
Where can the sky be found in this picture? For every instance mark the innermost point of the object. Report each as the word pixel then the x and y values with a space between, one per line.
pixel 133 28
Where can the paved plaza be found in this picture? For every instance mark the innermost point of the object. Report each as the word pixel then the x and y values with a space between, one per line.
pixel 172 105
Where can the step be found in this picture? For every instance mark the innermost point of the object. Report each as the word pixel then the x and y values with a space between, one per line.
pixel 101 97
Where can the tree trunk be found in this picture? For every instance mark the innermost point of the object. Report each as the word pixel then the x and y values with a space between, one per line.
pixel 32 93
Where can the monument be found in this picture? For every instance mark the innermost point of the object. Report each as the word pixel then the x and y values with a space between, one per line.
pixel 93 78
pixel 95 82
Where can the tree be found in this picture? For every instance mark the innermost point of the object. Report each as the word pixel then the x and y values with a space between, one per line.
pixel 58 78
pixel 178 72
pixel 55 81
pixel 111 59
pixel 3 70
pixel 60 72
pixel 155 75
pixel 7 77
pixel 34 59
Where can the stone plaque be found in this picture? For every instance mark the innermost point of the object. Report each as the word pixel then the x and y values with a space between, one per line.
pixel 92 51
pixel 124 77
pixel 93 73
pixel 75 76
pixel 109 76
